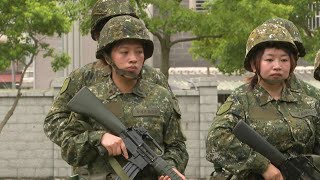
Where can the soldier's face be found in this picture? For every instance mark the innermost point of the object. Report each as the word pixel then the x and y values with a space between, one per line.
pixel 274 66
pixel 128 55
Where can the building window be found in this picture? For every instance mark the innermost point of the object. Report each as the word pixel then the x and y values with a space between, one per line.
pixel 314 22
pixel 197 5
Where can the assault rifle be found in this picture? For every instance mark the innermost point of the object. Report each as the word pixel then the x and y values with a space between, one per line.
pixel 293 167
pixel 141 155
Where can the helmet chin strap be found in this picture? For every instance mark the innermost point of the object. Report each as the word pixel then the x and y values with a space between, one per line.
pixel 271 82
pixel 119 71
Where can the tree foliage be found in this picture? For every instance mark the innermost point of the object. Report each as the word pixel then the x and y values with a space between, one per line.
pixel 236 19
pixel 25 24
pixel 168 17
pixel 219 34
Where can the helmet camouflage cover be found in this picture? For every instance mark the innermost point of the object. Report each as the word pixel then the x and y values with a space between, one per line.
pixel 316 73
pixel 124 27
pixel 294 32
pixel 267 32
pixel 103 10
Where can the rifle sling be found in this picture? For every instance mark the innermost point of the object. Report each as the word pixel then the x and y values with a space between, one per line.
pixel 113 162
pixel 117 168
pixel 131 170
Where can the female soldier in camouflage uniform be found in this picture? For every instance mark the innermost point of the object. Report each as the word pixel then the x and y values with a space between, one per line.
pixel 124 44
pixel 95 72
pixel 295 83
pixel 288 119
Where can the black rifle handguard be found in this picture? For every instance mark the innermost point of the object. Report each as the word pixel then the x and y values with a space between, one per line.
pixel 298 167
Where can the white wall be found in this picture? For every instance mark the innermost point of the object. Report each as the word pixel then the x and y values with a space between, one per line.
pixel 26 152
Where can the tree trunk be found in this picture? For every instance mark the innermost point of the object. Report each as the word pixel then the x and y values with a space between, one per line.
pixel 165 55
pixel 15 103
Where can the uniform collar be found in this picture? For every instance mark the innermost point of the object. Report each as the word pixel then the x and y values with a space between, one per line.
pixel 139 89
pixel 295 84
pixel 103 67
pixel 113 90
pixel 263 96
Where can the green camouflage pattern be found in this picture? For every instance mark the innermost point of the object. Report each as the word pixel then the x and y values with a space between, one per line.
pixel 149 105
pixel 124 27
pixel 316 73
pixel 104 10
pixel 294 32
pixel 291 124
pixel 303 87
pixel 88 75
pixel 266 32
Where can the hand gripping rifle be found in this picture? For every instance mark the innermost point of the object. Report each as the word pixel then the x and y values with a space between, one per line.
pixel 85 102
pixel 293 167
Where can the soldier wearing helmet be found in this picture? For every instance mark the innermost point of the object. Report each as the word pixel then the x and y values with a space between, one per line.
pixel 96 71
pixel 125 27
pixel 269 105
pixel 295 83
pixel 104 10
pixel 125 45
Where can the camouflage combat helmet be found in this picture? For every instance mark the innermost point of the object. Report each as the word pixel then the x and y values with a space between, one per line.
pixel 104 10
pixel 124 27
pixel 267 32
pixel 294 32
pixel 316 73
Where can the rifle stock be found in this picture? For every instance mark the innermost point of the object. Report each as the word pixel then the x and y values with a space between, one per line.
pixel 298 167
pixel 250 137
pixel 85 102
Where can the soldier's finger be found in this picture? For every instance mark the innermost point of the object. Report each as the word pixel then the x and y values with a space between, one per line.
pixel 124 150
pixel 110 152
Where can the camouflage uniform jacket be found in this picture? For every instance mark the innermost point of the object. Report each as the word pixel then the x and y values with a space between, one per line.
pixel 304 87
pixel 149 105
pixel 291 124
pixel 87 75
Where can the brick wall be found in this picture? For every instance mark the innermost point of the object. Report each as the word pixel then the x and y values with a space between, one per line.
pixel 25 151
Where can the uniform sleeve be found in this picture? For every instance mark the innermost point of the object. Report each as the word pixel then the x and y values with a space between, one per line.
pixel 80 141
pixel 174 141
pixel 317 130
pixel 310 90
pixel 58 115
pixel 223 148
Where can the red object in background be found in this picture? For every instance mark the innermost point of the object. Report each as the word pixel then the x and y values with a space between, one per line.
pixel 7 78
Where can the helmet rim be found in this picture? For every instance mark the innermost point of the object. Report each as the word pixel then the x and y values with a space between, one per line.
pixel 266 33
pixel 124 28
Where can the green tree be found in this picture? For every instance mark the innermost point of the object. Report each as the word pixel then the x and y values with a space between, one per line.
pixel 220 33
pixel 168 18
pixel 25 24
pixel 236 19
